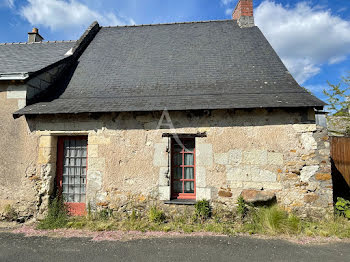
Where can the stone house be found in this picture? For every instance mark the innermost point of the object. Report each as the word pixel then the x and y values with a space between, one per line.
pixel 180 112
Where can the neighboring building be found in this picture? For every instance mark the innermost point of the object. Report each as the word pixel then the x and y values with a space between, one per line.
pixel 235 119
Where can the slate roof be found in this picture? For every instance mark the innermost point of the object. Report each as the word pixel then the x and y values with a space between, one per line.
pixel 31 57
pixel 184 66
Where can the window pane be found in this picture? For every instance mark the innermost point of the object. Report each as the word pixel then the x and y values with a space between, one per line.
pixel 188 159
pixel 189 174
pixel 189 187
pixel 178 187
pixel 178 173
pixel 177 159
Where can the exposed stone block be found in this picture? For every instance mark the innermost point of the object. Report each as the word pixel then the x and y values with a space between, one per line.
pixel 235 157
pixel 302 128
pixel 164 193
pixel 48 141
pixel 96 164
pixel 17 92
pixel 255 157
pixel 241 173
pixel 47 155
pixel 275 158
pixel 161 156
pixel 221 158
pixel 264 176
pixel 21 103
pixel 308 141
pixel 98 140
pixel 203 193
pixel 93 151
pixel 323 176
pixel 224 193
pixel 201 176
pixel 204 155
pixel 312 197
pixel 258 196
pixel 307 172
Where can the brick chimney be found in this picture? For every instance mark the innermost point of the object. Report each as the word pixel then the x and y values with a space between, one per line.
pixel 243 13
pixel 34 36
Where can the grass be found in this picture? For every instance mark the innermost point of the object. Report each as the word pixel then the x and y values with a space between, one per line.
pixel 270 221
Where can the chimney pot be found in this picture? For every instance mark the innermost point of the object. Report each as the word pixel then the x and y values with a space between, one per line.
pixel 34 36
pixel 243 13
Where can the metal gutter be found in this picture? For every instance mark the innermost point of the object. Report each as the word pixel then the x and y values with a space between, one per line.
pixel 13 76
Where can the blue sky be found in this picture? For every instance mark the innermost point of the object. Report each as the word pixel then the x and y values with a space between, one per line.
pixel 312 37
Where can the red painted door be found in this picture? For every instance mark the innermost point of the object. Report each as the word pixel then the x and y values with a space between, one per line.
pixel 71 172
pixel 183 177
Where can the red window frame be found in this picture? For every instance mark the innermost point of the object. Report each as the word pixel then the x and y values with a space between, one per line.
pixel 75 209
pixel 183 195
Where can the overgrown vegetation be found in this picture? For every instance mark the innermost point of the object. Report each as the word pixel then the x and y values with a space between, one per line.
pixel 241 207
pixel 202 210
pixel 156 215
pixel 10 213
pixel 201 218
pixel 342 207
pixel 57 215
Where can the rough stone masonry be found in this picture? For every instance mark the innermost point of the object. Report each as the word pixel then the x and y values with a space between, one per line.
pixel 268 151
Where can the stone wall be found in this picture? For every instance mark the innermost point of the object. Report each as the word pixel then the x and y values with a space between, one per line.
pixel 279 151
pixel 338 125
pixel 18 154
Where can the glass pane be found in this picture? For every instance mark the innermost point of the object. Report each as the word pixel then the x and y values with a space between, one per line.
pixel 83 171
pixel 77 189
pixel 64 180
pixel 69 198
pixel 83 151
pixel 82 181
pixel 77 180
pixel 189 145
pixel 82 189
pixel 65 189
pixel 178 187
pixel 189 187
pixel 177 159
pixel 189 173
pixel 188 159
pixel 177 147
pixel 71 162
pixel 78 162
pixel 178 173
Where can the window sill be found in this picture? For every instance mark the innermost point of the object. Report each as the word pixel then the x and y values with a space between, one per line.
pixel 180 202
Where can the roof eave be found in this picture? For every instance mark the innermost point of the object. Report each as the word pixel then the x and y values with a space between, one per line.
pixel 14 76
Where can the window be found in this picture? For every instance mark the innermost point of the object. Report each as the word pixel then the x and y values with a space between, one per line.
pixel 183 182
pixel 71 172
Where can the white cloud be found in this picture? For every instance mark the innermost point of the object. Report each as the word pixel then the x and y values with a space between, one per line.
pixel 303 36
pixel 7 3
pixel 61 14
pixel 226 2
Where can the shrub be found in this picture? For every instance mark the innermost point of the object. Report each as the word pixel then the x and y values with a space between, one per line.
pixel 57 215
pixel 241 207
pixel 203 210
pixel 342 207
pixel 10 213
pixel 156 215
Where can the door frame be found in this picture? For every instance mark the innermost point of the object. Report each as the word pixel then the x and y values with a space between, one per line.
pixel 75 209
